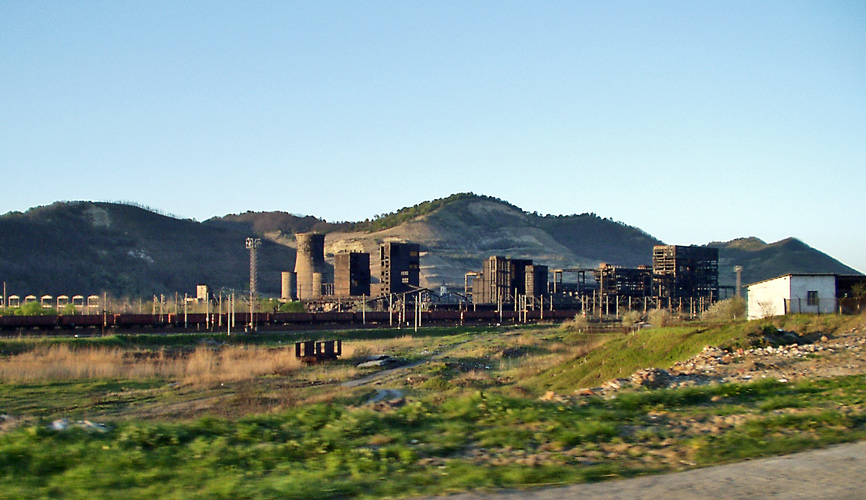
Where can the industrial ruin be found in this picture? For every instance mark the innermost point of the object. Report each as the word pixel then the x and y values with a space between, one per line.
pixel 352 279
pixel 682 278
pixel 386 287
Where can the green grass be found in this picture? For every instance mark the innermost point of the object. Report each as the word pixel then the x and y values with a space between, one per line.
pixel 622 355
pixel 450 434
pixel 338 451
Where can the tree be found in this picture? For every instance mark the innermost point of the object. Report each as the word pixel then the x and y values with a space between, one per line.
pixel 296 306
pixel 34 309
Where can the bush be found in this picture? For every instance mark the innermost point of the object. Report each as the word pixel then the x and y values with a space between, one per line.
pixel 726 310
pixel 32 309
pixel 630 318
pixel 660 318
pixel 578 324
pixel 292 307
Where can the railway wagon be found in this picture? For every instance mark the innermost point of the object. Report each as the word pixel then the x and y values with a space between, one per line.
pixel 334 317
pixel 371 317
pixel 81 321
pixel 16 322
pixel 197 320
pixel 131 320
pixel 189 319
pixel 480 315
pixel 293 318
pixel 444 315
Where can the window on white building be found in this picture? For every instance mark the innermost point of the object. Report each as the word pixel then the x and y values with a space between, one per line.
pixel 812 298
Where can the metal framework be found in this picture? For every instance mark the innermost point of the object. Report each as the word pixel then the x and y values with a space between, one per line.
pixel 252 245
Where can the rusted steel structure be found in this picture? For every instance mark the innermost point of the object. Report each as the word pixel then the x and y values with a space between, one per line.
pixel 311 351
pixel 685 272
pixel 503 280
pixel 624 281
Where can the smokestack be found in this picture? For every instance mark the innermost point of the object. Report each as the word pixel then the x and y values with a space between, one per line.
pixel 288 285
pixel 739 271
pixel 310 260
pixel 317 286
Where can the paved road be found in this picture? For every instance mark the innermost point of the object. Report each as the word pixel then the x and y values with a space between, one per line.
pixel 837 473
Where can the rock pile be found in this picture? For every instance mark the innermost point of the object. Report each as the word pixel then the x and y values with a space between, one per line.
pixel 784 361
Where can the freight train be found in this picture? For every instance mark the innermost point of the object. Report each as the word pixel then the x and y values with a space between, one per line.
pixel 275 320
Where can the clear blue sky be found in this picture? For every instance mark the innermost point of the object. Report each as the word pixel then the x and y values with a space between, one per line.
pixel 695 121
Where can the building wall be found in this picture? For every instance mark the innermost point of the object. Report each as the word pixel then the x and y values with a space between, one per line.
pixel 352 274
pixel 768 298
pixel 536 280
pixel 496 279
pixel 802 285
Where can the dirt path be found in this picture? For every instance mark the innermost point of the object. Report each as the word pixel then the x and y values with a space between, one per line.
pixel 382 375
pixel 837 473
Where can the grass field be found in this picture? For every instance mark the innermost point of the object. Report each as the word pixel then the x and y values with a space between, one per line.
pixel 209 416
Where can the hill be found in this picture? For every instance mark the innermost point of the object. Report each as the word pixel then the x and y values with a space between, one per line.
pixel 458 232
pixel 83 248
pixel 126 250
pixel 762 261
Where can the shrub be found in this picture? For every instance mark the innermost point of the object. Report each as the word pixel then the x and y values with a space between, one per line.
pixel 660 318
pixel 630 318
pixel 292 307
pixel 578 324
pixel 32 309
pixel 726 310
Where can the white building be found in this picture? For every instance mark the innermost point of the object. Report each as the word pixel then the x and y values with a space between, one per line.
pixel 796 293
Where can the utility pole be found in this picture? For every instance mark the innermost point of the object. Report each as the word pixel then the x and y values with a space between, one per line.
pixel 417 311
pixel 252 245
pixel 230 313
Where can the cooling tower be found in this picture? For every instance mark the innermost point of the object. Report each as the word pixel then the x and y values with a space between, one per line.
pixel 310 259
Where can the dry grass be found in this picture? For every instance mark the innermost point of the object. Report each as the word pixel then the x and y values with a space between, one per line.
pixel 366 348
pixel 202 367
pixel 229 364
